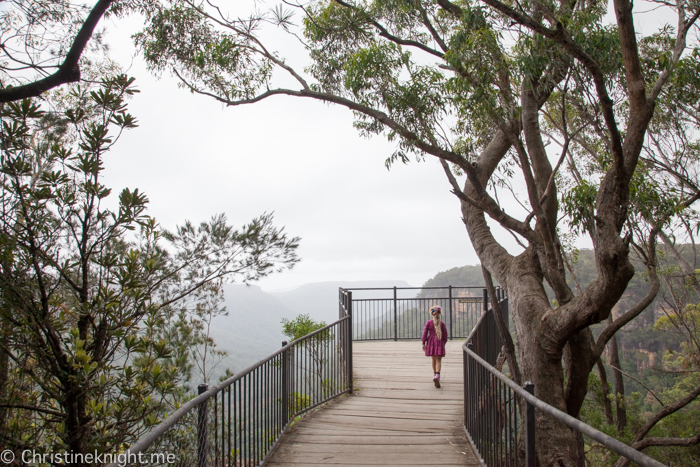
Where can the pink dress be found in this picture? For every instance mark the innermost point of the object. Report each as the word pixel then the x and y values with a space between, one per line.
pixel 433 345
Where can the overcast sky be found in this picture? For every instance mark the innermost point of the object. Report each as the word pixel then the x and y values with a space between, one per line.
pixel 299 158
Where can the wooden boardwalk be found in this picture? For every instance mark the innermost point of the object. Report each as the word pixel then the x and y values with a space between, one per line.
pixel 396 417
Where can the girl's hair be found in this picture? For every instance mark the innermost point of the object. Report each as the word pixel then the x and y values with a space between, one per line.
pixel 436 322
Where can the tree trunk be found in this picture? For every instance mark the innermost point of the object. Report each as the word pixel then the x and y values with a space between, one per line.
pixel 619 383
pixel 606 392
pixel 556 444
pixel 548 336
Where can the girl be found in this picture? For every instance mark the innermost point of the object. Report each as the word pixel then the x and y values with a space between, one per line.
pixel 434 339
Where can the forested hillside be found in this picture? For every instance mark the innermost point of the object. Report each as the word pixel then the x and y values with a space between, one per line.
pixel 656 353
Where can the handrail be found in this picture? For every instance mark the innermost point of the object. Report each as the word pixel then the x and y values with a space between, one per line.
pixel 470 337
pixel 147 440
pixel 389 316
pixel 495 406
pixel 275 379
pixel 415 288
pixel 608 441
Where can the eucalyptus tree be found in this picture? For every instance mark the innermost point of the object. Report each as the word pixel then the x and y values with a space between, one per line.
pixel 546 94
pixel 96 299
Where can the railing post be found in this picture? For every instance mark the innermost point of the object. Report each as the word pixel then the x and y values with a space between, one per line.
pixel 349 339
pixel 486 300
pixel 530 448
pixel 202 429
pixel 449 309
pixel 395 316
pixel 468 389
pixel 285 386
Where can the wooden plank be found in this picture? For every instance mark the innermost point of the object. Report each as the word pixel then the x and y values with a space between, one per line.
pixel 400 424
pixel 396 417
pixel 372 449
pixel 412 409
pixel 383 457
pixel 361 457
pixel 427 394
pixel 452 404
pixel 322 429
pixel 364 440
pixel 389 463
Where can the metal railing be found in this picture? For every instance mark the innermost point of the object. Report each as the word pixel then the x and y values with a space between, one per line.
pixel 240 421
pixel 499 415
pixel 398 313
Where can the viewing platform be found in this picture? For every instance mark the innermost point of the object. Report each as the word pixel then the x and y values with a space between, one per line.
pixel 359 391
pixel 395 416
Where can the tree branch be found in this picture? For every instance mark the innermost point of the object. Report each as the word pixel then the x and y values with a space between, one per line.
pixel 667 442
pixel 640 383
pixel 562 37
pixel 632 313
pixel 640 443
pixel 387 35
pixel 69 71
pixel 34 409
pixel 506 338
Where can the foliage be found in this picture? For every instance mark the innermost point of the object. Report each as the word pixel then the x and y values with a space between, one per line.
pixel 674 378
pixel 310 357
pixel 547 119
pixel 300 326
pixel 466 276
pixel 99 306
pixel 686 323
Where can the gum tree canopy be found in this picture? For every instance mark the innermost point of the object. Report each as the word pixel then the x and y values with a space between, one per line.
pixel 596 120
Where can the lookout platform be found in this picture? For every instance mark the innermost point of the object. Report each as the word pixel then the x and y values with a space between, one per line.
pixel 396 416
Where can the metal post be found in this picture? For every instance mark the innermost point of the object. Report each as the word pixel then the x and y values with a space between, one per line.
pixel 530 450
pixel 349 339
pixel 486 300
pixel 395 316
pixel 202 429
pixel 285 386
pixel 449 308
pixel 468 389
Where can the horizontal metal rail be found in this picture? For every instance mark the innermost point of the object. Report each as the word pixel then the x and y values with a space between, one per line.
pixel 499 415
pixel 261 401
pixel 387 315
pixel 608 441
pixel 240 421
pixel 415 288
